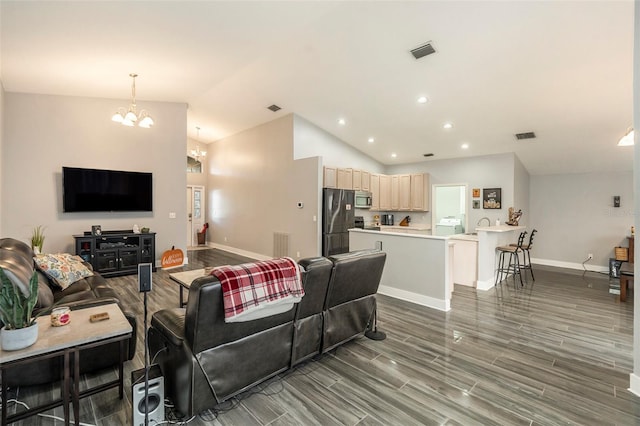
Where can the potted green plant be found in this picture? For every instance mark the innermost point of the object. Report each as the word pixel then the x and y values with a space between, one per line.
pixel 20 329
pixel 37 239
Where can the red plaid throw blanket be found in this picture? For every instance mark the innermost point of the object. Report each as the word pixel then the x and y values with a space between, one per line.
pixel 258 285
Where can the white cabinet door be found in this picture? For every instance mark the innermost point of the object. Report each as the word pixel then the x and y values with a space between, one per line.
pixel 465 260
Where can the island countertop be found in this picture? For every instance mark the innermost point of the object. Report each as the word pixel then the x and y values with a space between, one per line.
pixel 500 228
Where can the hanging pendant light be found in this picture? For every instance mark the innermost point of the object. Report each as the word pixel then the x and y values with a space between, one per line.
pixel 196 153
pixel 130 117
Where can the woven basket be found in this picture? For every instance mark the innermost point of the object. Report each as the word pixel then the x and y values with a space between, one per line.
pixel 622 253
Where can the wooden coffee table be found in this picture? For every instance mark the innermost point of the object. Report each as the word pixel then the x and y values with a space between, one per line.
pixel 185 279
pixel 66 342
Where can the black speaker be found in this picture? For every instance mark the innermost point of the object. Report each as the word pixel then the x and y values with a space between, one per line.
pixel 144 276
pixel 155 396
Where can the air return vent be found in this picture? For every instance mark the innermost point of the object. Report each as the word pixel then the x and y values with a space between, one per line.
pixel 274 108
pixel 422 51
pixel 526 135
pixel 280 244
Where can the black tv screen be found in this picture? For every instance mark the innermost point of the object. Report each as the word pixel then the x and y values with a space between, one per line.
pixel 93 190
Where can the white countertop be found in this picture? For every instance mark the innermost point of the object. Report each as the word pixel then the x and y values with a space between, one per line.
pixel 400 234
pixel 501 228
pixel 416 227
pixel 464 237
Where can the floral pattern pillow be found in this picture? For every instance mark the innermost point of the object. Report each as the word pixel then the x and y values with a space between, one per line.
pixel 63 269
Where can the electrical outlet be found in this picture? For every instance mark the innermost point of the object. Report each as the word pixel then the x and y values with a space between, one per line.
pixel 225 239
pixel 298 254
pixel 590 256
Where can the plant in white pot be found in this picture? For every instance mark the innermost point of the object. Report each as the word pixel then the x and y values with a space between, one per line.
pixel 20 329
pixel 37 239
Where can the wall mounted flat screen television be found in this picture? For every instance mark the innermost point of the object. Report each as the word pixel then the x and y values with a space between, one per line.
pixel 93 190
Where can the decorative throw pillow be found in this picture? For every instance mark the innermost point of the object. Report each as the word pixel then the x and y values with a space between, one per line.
pixel 62 268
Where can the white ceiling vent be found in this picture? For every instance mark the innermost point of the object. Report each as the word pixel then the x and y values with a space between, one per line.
pixel 526 135
pixel 422 51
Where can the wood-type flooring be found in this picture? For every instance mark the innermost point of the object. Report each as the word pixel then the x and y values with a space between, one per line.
pixel 557 352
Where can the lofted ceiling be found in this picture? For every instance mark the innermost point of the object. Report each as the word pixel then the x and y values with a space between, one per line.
pixel 562 69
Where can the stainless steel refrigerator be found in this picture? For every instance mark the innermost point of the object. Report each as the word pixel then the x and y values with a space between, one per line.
pixel 337 218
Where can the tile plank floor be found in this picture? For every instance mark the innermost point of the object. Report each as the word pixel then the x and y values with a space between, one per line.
pixel 557 352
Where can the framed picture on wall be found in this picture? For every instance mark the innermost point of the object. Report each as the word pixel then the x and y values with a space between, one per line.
pixel 492 198
pixel 476 192
pixel 476 204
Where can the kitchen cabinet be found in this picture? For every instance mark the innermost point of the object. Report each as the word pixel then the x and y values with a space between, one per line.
pixel 419 184
pixel 345 178
pixel 374 187
pixel 365 181
pixel 385 192
pixel 465 260
pixel 330 177
pixel 395 192
pixel 357 180
pixel 404 192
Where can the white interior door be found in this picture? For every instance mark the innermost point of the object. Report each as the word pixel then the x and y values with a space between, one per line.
pixel 195 212
pixel 190 234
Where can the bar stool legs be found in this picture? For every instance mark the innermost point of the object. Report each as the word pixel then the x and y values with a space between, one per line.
pixel 513 267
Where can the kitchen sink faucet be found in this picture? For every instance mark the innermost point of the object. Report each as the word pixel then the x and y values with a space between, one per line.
pixel 488 221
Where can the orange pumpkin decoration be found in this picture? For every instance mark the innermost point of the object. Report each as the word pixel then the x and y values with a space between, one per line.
pixel 172 258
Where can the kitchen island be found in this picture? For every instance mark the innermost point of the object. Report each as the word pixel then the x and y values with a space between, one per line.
pixel 490 237
pixel 418 267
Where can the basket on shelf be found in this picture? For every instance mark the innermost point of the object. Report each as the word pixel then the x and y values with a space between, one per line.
pixel 622 253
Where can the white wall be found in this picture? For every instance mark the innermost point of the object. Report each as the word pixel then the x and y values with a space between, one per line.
pixel 311 141
pixel 490 171
pixel 254 185
pixel 42 133
pixel 574 216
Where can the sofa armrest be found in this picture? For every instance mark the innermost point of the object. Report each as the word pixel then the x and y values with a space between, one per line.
pixel 170 322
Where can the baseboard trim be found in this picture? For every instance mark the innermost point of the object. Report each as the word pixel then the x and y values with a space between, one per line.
pixel 240 252
pixel 634 384
pixel 419 299
pixel 570 265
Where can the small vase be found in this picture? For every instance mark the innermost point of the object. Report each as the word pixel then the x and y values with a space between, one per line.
pixel 36 251
pixel 13 340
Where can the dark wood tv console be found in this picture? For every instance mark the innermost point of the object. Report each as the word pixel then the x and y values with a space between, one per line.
pixel 117 252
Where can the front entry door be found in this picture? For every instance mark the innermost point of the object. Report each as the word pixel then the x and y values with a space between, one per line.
pixel 195 213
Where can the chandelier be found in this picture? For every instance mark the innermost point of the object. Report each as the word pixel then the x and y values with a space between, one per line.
pixel 196 153
pixel 131 116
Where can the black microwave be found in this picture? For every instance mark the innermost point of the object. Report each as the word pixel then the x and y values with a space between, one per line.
pixel 363 200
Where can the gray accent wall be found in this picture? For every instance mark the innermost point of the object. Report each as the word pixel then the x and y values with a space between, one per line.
pixel 521 182
pixel 43 133
pixel 574 215
pixel 254 187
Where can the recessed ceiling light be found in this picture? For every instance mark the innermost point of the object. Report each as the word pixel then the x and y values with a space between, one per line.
pixel 464 146
pixel 447 125
pixel 371 140
pixel 342 121
pixel 393 155
pixel 422 100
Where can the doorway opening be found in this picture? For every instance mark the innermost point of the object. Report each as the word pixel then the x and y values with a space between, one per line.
pixel 450 210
